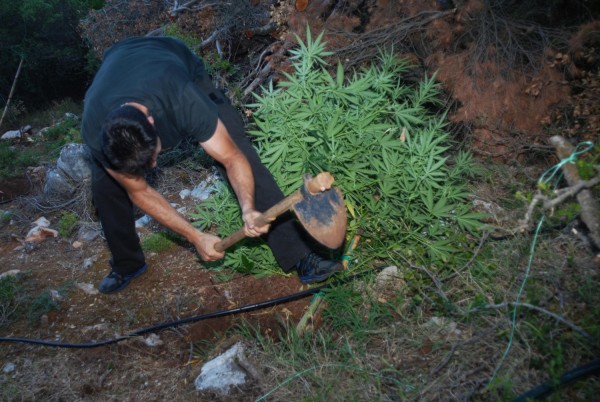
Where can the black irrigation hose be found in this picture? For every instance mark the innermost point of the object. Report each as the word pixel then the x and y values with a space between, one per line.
pixel 172 324
pixel 545 389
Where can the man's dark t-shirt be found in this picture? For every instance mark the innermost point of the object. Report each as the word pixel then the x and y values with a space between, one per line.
pixel 159 73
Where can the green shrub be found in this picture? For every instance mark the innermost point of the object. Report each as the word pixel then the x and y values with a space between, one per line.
pixel 39 306
pixel 67 223
pixel 13 161
pixel 65 132
pixel 387 151
pixel 11 302
pixel 5 216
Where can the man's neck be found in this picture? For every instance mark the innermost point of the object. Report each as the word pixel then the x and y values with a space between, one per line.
pixel 138 106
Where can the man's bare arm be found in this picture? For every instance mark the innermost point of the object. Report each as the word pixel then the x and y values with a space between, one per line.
pixel 155 205
pixel 222 148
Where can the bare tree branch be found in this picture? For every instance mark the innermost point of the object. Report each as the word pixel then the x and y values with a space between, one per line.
pixel 12 89
pixel 590 210
pixel 557 317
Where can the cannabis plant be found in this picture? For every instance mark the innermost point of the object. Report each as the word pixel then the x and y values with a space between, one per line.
pixel 388 152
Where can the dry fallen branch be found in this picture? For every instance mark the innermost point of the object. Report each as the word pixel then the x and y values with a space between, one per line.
pixel 264 72
pixel 366 46
pixel 590 211
pixel 557 317
pixel 12 89
pixel 459 345
pixel 434 279
pixel 178 7
pixel 475 254
pixel 549 203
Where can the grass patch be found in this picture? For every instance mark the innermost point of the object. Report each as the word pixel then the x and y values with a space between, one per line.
pixel 13 161
pixel 159 242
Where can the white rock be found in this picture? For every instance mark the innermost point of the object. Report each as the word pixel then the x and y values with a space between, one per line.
pixel 39 234
pixel 12 272
pixel 202 191
pixel 88 262
pixel 87 234
pixel 153 340
pixel 87 288
pixel 222 372
pixel 183 194
pixel 11 135
pixel 9 368
pixel 143 221
pixel 56 296
pixel 42 222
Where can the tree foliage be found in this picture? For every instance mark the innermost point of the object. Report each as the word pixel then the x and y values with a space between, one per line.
pixel 44 34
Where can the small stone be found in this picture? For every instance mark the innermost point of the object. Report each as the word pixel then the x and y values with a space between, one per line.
pixel 39 234
pixel 11 135
pixel 88 262
pixel 11 273
pixel 9 368
pixel 153 340
pixel 87 288
pixel 143 221
pixel 77 244
pixel 183 194
pixel 42 222
pixel 202 191
pixel 223 372
pixel 88 235
pixel 56 296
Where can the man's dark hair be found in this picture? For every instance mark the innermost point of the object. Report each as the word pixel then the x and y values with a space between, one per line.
pixel 129 140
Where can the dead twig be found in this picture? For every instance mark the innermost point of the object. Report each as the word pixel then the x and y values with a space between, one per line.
pixel 590 210
pixel 457 346
pixel 557 317
pixel 549 203
pixel 365 46
pixel 12 89
pixel 434 279
pixel 475 254
pixel 266 70
pixel 191 5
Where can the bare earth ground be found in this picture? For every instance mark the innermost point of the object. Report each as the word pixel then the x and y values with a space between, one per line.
pixel 175 286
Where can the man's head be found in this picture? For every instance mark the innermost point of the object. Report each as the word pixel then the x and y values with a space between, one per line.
pixel 129 141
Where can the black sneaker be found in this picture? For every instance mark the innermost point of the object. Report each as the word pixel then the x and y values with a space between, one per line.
pixel 114 282
pixel 312 268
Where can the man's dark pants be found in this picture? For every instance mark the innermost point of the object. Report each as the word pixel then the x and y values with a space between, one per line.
pixel 286 238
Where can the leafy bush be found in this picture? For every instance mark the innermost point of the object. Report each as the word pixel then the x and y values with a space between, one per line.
pixel 11 300
pixel 39 306
pixel 5 216
pixel 65 132
pixel 12 161
pixel 67 223
pixel 387 151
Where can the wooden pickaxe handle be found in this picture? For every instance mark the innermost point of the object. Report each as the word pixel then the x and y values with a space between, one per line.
pixel 319 183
